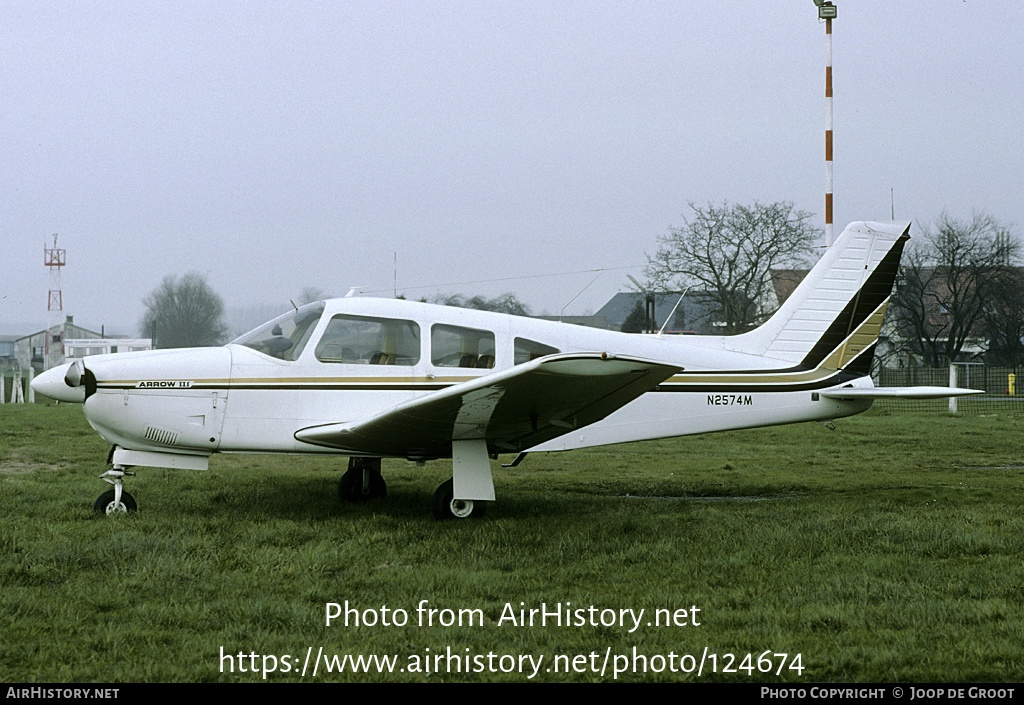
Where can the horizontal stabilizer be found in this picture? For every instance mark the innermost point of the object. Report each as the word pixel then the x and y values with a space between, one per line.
pixel 512 409
pixel 899 393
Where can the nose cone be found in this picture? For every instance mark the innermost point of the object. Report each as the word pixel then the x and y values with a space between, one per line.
pixel 51 384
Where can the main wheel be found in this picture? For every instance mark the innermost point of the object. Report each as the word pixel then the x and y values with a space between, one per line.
pixel 447 507
pixel 105 503
pixel 350 489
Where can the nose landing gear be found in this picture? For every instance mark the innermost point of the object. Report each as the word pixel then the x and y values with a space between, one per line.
pixel 115 501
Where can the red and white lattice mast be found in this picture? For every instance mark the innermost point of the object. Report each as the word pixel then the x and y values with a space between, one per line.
pixel 53 352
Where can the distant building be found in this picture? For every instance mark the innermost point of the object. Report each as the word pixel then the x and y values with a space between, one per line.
pixel 589 321
pixel 77 348
pixel 69 340
pixel 784 282
pixel 7 348
pixel 693 316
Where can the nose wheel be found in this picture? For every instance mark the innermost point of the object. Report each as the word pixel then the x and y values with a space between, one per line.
pixel 115 501
pixel 107 504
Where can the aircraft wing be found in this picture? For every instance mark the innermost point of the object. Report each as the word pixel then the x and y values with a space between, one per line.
pixel 512 409
pixel 898 392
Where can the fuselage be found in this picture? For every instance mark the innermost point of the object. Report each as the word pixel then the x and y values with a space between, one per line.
pixel 348 359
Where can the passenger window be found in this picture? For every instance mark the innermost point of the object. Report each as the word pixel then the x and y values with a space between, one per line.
pixel 454 346
pixel 526 350
pixel 361 340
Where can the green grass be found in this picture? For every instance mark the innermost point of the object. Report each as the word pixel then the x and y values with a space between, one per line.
pixel 886 550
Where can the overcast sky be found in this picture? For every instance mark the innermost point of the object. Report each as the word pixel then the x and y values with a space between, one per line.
pixel 273 146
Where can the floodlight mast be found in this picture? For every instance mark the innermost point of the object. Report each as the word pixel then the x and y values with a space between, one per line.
pixel 827 12
pixel 54 259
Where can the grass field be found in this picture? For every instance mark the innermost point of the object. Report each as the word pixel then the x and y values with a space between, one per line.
pixel 888 550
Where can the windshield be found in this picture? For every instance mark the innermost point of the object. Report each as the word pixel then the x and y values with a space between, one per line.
pixel 285 336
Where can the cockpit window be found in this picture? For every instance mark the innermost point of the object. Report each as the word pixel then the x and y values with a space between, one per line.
pixel 455 346
pixel 285 336
pixel 362 340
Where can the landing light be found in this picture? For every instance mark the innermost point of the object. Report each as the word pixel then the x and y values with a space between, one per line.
pixel 826 10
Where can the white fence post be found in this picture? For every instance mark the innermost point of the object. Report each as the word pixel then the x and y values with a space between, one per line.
pixel 17 394
pixel 952 383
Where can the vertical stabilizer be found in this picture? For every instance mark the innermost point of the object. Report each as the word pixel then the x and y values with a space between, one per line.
pixel 834 316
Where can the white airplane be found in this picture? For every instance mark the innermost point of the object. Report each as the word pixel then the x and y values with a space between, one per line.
pixel 371 378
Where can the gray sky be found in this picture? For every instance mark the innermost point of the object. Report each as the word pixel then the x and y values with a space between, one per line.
pixel 277 145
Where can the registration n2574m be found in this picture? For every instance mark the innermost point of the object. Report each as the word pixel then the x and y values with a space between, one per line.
pixel 730 400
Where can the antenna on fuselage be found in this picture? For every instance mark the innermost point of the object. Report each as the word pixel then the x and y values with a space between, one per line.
pixel 577 296
pixel 673 312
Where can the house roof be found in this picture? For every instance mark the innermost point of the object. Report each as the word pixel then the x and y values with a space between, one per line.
pixel 785 281
pixel 693 312
pixel 71 330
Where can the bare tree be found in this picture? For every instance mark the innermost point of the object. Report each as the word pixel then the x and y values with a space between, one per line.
pixel 1004 319
pixel 948 280
pixel 184 313
pixel 726 253
pixel 505 303
pixel 311 294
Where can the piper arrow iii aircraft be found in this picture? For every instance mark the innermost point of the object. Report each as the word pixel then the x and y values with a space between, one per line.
pixel 371 378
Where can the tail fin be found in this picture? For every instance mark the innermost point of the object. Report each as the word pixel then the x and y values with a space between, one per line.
pixel 834 316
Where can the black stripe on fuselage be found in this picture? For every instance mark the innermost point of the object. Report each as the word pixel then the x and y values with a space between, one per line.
pixel 832 380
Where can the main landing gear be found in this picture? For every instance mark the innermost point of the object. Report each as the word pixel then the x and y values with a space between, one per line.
pixel 447 507
pixel 362 481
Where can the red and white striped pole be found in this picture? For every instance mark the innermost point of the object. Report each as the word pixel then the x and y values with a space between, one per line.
pixel 827 12
pixel 828 132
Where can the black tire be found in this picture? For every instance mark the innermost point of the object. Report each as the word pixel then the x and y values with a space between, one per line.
pixel 447 507
pixel 105 503
pixel 350 488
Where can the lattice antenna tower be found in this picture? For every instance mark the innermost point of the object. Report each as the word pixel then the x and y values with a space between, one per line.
pixel 54 259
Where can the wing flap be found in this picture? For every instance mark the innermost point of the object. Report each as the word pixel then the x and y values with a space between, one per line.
pixel 512 409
